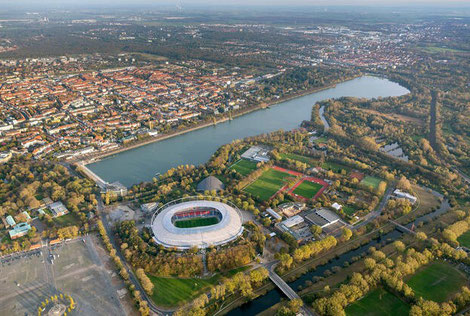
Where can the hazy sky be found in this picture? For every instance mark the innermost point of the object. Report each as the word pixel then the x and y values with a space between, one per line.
pixel 232 2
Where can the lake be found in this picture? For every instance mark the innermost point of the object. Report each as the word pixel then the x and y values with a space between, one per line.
pixel 196 147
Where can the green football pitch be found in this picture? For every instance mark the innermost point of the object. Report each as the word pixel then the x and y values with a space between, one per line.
pixel 244 167
pixel 437 281
pixel 378 302
pixel 196 222
pixel 307 189
pixel 268 184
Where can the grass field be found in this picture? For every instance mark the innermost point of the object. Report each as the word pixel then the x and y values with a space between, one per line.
pixel 370 181
pixel 336 167
pixel 321 139
pixel 174 291
pixel 378 303
pixel 244 167
pixel 436 281
pixel 307 189
pixel 267 184
pixel 196 222
pixel 464 239
pixel 66 220
pixel 309 161
pixel 349 210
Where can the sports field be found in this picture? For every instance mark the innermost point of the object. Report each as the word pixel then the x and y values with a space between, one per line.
pixel 309 161
pixel 244 167
pixel 370 181
pixel 174 291
pixel 307 189
pixel 268 184
pixel 437 281
pixel 464 239
pixel 378 302
pixel 196 222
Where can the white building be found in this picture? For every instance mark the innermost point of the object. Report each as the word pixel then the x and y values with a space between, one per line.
pixel 403 195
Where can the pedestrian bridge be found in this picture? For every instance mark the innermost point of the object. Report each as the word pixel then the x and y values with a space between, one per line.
pixel 287 290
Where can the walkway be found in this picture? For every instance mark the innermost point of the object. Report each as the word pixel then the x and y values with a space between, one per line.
pixel 285 288
pixel 402 228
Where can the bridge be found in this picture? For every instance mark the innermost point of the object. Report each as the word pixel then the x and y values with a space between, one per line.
pixel 90 174
pixel 286 289
pixel 402 228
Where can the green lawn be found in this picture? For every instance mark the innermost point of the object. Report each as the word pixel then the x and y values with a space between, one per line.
pixel 370 181
pixel 244 167
pixel 464 239
pixel 196 222
pixel 321 139
pixel 267 184
pixel 309 161
pixel 349 210
pixel 336 167
pixel 378 303
pixel 66 220
pixel 307 189
pixel 437 281
pixel 174 291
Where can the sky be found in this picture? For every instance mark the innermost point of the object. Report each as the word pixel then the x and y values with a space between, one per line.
pixel 232 2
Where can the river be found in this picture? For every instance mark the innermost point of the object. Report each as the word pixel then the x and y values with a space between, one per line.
pixel 196 147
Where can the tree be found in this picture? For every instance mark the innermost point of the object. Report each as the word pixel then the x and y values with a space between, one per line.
pixel 369 263
pixel 404 184
pixel 347 234
pixel 421 236
pixel 316 230
pixel 145 281
pixel 399 245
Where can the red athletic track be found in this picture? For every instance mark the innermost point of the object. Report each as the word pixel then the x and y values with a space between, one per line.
pixel 304 178
pixel 311 179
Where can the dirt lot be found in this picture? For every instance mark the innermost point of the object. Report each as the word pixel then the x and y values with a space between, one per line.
pixel 72 268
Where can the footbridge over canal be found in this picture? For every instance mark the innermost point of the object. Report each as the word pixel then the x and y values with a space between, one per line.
pixel 286 289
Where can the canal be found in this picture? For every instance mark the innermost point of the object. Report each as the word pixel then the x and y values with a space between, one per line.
pixel 274 296
pixel 196 147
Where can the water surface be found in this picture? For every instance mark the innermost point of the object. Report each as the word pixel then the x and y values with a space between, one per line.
pixel 196 147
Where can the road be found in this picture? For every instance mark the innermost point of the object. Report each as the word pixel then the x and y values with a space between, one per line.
pixel 326 125
pixel 132 277
pixel 374 214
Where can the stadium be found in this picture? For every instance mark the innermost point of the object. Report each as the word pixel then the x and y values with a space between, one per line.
pixel 184 224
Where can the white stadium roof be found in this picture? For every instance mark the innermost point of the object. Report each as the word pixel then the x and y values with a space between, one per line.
pixel 168 235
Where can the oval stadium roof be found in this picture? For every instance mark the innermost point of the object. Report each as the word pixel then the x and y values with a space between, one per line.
pixel 168 235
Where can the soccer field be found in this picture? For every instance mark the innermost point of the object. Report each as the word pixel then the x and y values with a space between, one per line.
pixel 244 167
pixel 378 303
pixel 369 181
pixel 196 222
pixel 307 189
pixel 268 184
pixel 437 281
pixel 175 291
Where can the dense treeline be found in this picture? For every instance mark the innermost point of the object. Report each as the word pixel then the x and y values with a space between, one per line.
pixel 140 254
pixel 241 283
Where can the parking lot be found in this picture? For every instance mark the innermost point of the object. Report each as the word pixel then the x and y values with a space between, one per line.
pixel 72 268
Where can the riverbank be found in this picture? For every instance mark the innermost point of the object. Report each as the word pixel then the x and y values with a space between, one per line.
pixel 87 159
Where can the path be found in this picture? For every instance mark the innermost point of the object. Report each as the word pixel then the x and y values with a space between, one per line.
pixel 402 228
pixel 285 288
